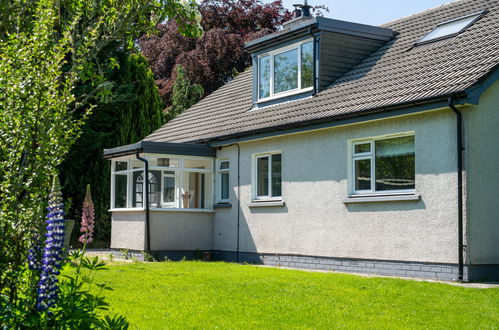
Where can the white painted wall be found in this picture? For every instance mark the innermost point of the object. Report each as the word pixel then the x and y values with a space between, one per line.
pixel 315 221
pixel 482 169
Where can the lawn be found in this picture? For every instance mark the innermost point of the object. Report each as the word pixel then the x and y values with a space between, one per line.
pixel 222 295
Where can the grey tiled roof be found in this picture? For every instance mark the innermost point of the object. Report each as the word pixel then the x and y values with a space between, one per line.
pixel 395 74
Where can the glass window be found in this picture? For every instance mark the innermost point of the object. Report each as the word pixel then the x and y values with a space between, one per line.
pixel 167 162
pixel 307 64
pixel 264 77
pixel 169 183
pixel 262 176
pixel 382 165
pixel 450 28
pixel 169 187
pixel 276 175
pixel 363 174
pixel 224 165
pixel 224 189
pixel 120 184
pixel 154 189
pixel 361 148
pixel 395 164
pixel 196 190
pixel 268 176
pixel 120 166
pixel 286 71
pixel 223 179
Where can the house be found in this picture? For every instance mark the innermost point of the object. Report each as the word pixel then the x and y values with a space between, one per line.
pixel 344 147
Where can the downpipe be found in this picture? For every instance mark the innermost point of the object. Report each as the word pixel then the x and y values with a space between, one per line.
pixel 146 201
pixel 460 149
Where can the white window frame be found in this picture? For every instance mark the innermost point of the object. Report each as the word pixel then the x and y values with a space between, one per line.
pixel 179 171
pixel 352 157
pixel 272 54
pixel 219 180
pixel 254 177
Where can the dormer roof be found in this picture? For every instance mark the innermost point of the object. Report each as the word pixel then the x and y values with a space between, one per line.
pixel 303 27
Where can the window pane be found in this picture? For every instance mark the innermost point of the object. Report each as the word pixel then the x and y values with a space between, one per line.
pixel 138 189
pixel 224 165
pixel 307 64
pixel 264 77
pixel 286 71
pixel 169 189
pixel 196 190
pixel 395 168
pixel 154 188
pixel 167 162
pixel 364 147
pixel 276 176
pixel 224 188
pixel 363 174
pixel 121 166
pixel 120 183
pixel 449 28
pixel 262 186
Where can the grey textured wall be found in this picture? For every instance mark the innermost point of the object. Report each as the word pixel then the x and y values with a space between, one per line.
pixel 315 221
pixel 482 178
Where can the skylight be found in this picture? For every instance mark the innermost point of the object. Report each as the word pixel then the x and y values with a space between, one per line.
pixel 450 28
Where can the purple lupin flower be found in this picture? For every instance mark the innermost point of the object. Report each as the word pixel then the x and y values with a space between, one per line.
pixel 35 253
pixel 87 218
pixel 52 254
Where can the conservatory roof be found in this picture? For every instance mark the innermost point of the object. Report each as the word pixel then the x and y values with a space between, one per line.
pixel 160 148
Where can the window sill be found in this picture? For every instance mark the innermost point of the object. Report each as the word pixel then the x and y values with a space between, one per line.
pixel 163 210
pixel 222 206
pixel 266 203
pixel 381 198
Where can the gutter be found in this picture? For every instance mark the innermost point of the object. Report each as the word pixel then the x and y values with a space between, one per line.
pixel 460 221
pixel 146 201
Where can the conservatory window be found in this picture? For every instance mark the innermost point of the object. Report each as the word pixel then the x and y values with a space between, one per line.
pixel 176 182
pixel 286 71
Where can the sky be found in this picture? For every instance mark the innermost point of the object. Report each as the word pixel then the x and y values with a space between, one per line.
pixel 372 12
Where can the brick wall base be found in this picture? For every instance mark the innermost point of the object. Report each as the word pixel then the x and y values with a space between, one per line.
pixel 425 270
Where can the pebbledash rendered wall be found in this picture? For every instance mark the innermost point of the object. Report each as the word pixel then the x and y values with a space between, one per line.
pixel 179 232
pixel 316 229
pixel 482 184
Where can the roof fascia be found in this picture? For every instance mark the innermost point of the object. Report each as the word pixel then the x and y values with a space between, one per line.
pixel 474 92
pixel 186 149
pixel 379 115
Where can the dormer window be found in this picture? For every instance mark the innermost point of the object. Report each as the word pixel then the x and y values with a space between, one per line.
pixel 286 71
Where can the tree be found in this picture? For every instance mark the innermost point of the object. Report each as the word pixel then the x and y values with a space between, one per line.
pixel 219 54
pixel 184 94
pixel 134 111
pixel 42 59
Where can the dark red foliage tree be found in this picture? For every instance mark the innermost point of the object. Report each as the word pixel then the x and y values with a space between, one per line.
pixel 219 54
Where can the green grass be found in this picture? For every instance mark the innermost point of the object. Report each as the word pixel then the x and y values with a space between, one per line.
pixel 222 295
